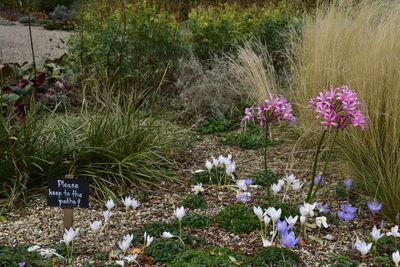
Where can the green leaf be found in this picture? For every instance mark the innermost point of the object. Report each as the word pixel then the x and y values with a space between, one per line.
pixel 7 98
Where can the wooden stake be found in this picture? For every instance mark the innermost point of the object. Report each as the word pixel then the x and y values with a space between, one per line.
pixel 68 213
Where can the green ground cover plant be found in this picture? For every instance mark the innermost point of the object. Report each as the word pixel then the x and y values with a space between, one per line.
pixel 194 202
pixel 237 218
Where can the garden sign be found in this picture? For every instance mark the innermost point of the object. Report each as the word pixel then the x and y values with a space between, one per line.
pixel 68 193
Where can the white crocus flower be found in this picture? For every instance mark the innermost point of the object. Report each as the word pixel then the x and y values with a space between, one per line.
pixel 148 239
pixel 308 209
pixel 281 182
pixel 95 226
pixel 33 248
pixel 291 179
pixel 221 160
pixel 107 214
pixel 69 235
pixel 274 214
pixel 363 247
pixel 394 231
pixel 258 212
pixel 215 162
pixel 291 220
pixel 131 258
pixel 230 168
pixel 122 263
pixel 125 243
pixel 241 184
pixel 127 202
pixel 180 213
pixel 134 203
pixel 276 188
pixel 321 221
pixel 48 253
pixel 209 165
pixel 302 219
pixel 376 234
pixel 196 189
pixel 266 220
pixel 396 258
pixel 110 204
pixel 266 243
pixel 167 235
pixel 297 185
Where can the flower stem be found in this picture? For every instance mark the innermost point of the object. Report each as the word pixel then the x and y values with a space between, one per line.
pixel 266 158
pixel 314 170
pixel 328 158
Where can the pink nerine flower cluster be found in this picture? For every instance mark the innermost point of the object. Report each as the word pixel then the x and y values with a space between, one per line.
pixel 338 107
pixel 270 110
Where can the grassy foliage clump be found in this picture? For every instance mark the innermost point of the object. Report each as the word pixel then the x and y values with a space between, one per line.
pixel 12 256
pixel 357 45
pixel 196 221
pixel 247 139
pixel 238 218
pixel 274 256
pixel 260 179
pixel 164 249
pixel 194 202
pixel 210 256
pixel 212 125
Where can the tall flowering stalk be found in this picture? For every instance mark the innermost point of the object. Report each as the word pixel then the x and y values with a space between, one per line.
pixel 336 108
pixel 270 110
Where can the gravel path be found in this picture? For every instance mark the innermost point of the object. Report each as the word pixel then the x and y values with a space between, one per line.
pixel 15 44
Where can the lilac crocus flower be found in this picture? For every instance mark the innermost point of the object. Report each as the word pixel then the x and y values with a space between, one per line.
pixel 323 208
pixel 347 183
pixel 22 264
pixel 243 197
pixel 248 181
pixel 374 206
pixel 317 179
pixel 348 208
pixel 282 226
pixel 289 239
pixel 346 212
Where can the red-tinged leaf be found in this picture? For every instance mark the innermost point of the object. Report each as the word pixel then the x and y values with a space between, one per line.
pixel 41 77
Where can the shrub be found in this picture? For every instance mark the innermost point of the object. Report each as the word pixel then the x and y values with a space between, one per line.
pixel 50 5
pixel 62 13
pixel 196 221
pixel 135 44
pixel 194 202
pixel 210 256
pixel 247 139
pixel 212 125
pixel 274 256
pixel 12 256
pixel 320 60
pixel 238 218
pixel 164 249
pixel 260 179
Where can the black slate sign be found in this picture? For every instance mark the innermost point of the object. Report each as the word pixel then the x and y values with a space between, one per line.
pixel 68 193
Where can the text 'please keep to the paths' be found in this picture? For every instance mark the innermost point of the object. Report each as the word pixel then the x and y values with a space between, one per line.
pixel 68 193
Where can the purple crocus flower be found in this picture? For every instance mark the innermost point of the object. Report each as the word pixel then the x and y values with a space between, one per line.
pixel 374 206
pixel 22 264
pixel 289 239
pixel 347 183
pixel 323 208
pixel 382 223
pixel 318 178
pixel 243 197
pixel 248 181
pixel 346 212
pixel 282 226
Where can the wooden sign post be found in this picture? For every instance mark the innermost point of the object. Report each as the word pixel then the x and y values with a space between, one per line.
pixel 68 212
pixel 68 193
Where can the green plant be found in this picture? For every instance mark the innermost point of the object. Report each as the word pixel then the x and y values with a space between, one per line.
pixel 196 221
pixel 164 250
pixel 59 26
pixel 217 175
pixel 383 260
pixel 274 256
pixel 12 256
pixel 387 244
pixel 152 229
pixel 131 44
pixel 247 139
pixel 25 19
pixel 67 251
pixel 371 156
pixel 6 22
pixel 340 260
pixel 194 202
pixel 238 218
pixel 260 179
pixel 209 256
pixel 212 125
pixel 43 21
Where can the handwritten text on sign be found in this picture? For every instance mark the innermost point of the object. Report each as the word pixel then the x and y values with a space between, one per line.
pixel 68 193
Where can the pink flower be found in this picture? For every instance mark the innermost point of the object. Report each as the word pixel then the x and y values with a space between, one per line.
pixel 270 110
pixel 338 107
